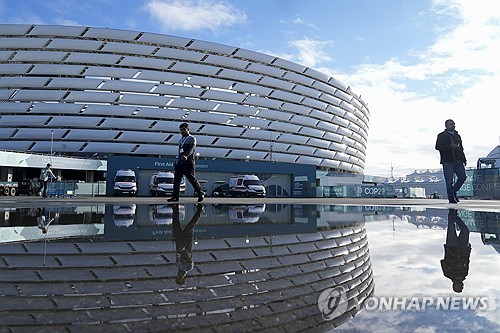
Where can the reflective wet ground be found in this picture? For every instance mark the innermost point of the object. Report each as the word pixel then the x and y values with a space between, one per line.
pixel 259 267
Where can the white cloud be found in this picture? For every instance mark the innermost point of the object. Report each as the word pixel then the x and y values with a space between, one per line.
pixel 191 15
pixel 456 77
pixel 310 52
pixel 67 22
pixel 300 21
pixel 412 256
pixel 405 261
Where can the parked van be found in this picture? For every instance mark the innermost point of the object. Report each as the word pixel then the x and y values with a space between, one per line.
pixel 164 214
pixel 246 186
pixel 246 213
pixel 125 182
pixel 162 183
pixel 220 188
pixel 124 215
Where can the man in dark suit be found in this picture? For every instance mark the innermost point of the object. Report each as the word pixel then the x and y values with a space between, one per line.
pixel 185 164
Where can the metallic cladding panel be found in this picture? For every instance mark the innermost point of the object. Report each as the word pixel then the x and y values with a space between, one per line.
pixel 93 83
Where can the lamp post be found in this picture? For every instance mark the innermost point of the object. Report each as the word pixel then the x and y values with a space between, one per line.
pixel 51 144
pixel 51 141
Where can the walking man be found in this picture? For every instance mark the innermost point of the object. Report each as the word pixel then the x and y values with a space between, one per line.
pixel 451 150
pixel 44 178
pixel 185 164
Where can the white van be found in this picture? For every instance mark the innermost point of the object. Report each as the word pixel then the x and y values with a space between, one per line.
pixel 162 183
pixel 246 213
pixel 164 214
pixel 124 215
pixel 125 182
pixel 246 186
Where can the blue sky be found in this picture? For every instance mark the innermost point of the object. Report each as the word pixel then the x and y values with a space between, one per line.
pixel 416 63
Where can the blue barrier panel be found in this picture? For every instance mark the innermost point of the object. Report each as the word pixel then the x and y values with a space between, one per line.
pixel 61 189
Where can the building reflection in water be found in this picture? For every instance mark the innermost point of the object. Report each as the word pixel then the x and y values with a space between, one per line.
pixel 278 267
pixel 245 270
pixel 28 224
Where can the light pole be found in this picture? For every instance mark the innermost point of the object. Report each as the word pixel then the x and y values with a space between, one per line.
pixel 51 141
pixel 51 144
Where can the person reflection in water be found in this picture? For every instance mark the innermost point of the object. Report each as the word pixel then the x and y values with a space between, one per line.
pixel 183 239
pixel 41 219
pixel 457 250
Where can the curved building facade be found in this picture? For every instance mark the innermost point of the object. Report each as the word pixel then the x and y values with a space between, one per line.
pixel 124 278
pixel 84 90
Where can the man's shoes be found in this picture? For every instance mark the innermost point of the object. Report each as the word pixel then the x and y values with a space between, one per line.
pixel 456 199
pixel 173 199
pixel 452 201
pixel 201 196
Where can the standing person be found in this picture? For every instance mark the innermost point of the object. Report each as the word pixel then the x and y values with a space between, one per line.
pixel 44 178
pixel 455 264
pixel 451 150
pixel 184 165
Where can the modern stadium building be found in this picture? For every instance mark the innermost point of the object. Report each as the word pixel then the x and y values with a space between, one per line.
pixel 85 92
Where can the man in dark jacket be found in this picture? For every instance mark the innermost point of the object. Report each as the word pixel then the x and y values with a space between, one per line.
pixel 184 165
pixel 457 250
pixel 183 238
pixel 449 144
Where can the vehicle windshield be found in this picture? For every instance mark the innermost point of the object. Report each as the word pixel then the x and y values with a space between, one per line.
pixel 125 179
pixel 252 182
pixel 164 180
